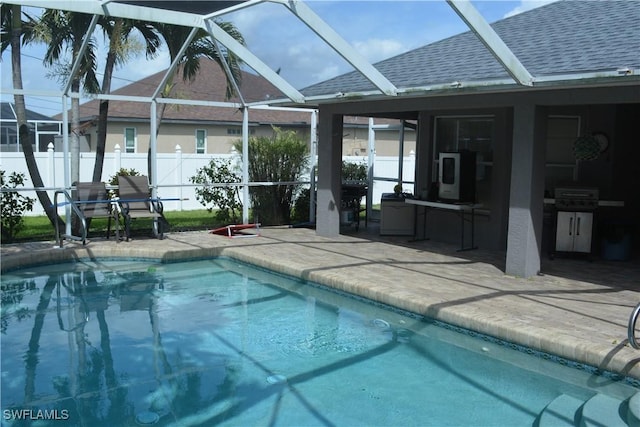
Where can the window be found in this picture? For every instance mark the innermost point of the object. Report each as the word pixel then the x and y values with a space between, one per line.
pixel 129 140
pixel 238 131
pixel 561 169
pixel 45 133
pixel 468 133
pixel 201 141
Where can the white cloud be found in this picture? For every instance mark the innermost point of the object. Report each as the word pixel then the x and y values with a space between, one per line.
pixel 326 73
pixel 526 5
pixel 377 49
pixel 255 16
pixel 309 62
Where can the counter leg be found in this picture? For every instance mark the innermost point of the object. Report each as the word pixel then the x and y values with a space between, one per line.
pixel 415 224
pixel 473 245
pixel 462 230
pixel 473 228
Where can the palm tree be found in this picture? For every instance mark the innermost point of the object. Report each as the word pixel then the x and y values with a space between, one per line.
pixel 202 46
pixel 23 31
pixel 64 31
pixel 119 31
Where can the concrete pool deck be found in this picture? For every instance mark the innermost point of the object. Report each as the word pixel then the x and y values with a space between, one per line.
pixel 576 309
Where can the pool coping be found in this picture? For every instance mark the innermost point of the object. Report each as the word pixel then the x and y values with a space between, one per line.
pixel 615 356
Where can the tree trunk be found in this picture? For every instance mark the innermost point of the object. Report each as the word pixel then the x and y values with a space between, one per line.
pixel 103 114
pixel 159 114
pixel 21 117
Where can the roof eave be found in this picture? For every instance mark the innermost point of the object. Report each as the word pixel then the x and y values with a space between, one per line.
pixel 619 77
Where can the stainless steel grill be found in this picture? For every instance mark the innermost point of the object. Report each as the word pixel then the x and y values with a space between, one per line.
pixel 577 199
pixel 575 208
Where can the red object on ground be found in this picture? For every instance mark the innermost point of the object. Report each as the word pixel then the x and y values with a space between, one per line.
pixel 235 230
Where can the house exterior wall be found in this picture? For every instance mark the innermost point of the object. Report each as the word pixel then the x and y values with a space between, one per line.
pixel 221 137
pixel 355 141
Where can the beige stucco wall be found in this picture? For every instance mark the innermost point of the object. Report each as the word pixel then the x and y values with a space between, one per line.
pixel 355 141
pixel 219 141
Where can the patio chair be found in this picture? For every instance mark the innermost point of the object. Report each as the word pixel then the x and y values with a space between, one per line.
pixel 92 201
pixel 135 202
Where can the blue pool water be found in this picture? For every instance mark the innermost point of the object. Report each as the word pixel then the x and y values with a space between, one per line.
pixel 217 342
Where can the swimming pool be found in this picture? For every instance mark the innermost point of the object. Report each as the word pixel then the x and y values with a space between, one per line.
pixel 218 342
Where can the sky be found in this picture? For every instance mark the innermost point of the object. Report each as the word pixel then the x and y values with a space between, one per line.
pixel 378 29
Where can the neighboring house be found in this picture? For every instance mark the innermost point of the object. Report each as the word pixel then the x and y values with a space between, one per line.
pixel 583 61
pixel 43 129
pixel 202 129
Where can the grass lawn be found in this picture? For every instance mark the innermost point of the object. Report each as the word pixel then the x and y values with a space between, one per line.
pixel 38 228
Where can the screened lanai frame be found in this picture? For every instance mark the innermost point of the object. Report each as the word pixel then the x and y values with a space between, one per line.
pixel 202 15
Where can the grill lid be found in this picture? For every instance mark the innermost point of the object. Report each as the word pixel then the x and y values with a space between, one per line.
pixel 576 198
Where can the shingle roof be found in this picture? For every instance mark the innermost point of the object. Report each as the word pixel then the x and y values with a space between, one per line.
pixel 7 113
pixel 209 85
pixel 564 37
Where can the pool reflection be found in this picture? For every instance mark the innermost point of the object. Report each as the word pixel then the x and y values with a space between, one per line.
pixel 208 343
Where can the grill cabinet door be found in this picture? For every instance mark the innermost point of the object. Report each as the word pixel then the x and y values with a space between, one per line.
pixel 565 231
pixel 583 225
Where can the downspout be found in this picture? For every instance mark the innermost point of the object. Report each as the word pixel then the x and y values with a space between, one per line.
pixel 245 166
pixel 371 158
pixel 153 154
pixel 312 174
pixel 401 154
pixel 66 163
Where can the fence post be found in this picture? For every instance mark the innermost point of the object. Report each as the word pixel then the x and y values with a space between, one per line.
pixel 178 172
pixel 51 169
pixel 117 161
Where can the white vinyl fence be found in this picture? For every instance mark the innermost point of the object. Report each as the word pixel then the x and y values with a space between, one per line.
pixel 174 172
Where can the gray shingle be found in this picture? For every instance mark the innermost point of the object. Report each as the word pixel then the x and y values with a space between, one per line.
pixel 6 113
pixel 563 37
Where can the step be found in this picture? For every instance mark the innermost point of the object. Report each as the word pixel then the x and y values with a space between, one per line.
pixel 602 410
pixel 561 412
pixel 633 411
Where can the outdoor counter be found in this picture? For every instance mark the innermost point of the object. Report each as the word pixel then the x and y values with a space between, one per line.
pixel 463 210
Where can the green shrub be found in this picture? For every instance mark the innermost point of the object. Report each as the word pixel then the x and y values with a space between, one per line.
pixel 301 207
pixel 354 172
pixel 281 158
pixel 225 200
pixel 13 206
pixel 114 179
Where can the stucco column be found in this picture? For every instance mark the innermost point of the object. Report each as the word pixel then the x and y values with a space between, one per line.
pixel 329 174
pixel 524 238
pixel 424 164
pixel 424 153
